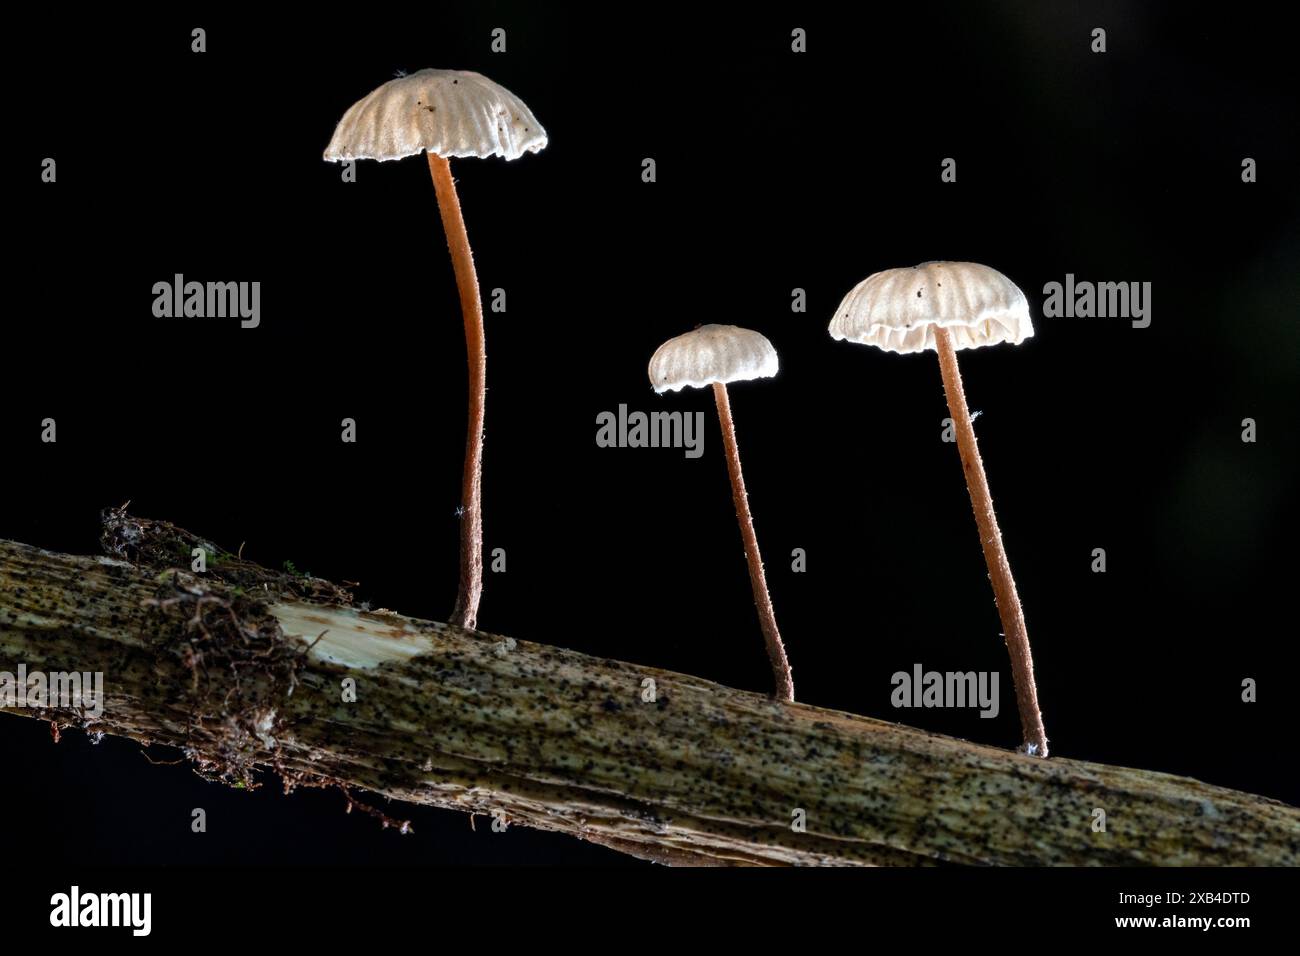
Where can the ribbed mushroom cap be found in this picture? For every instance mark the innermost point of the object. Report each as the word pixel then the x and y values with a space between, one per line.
pixel 898 310
pixel 712 353
pixel 448 112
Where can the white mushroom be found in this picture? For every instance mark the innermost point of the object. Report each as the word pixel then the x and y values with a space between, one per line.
pixel 709 354
pixel 715 355
pixel 947 306
pixel 446 114
pixel 899 310
pixel 451 113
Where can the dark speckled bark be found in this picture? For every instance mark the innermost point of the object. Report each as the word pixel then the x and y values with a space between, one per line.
pixel 563 741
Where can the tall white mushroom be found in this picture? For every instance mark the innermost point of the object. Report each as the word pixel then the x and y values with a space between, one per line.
pixel 448 114
pixel 947 306
pixel 715 355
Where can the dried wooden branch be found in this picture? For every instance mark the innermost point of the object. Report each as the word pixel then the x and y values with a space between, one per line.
pixel 244 668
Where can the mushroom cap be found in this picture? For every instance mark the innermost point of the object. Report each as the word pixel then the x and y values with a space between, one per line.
pixel 898 310
pixel 451 113
pixel 712 353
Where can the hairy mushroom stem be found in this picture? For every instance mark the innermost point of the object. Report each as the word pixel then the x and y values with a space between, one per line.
pixel 766 616
pixel 465 612
pixel 995 555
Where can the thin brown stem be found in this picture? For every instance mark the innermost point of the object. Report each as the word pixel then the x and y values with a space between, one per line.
pixel 995 555
pixel 766 616
pixel 465 612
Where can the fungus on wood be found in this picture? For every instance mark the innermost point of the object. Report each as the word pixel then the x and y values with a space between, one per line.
pixel 240 668
pixel 448 114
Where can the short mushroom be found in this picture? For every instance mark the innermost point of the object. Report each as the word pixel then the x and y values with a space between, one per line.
pixel 448 114
pixel 947 306
pixel 715 355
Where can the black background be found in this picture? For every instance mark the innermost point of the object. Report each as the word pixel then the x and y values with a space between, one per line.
pixel 775 171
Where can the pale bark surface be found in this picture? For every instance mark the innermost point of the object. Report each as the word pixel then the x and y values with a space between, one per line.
pixel 218 664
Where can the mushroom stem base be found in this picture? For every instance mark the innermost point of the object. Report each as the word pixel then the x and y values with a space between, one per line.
pixel 995 555
pixel 762 600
